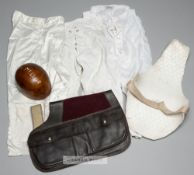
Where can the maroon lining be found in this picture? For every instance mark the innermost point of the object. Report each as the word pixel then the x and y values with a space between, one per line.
pixel 80 106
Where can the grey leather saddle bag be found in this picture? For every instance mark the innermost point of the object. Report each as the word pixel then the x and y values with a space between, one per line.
pixel 91 125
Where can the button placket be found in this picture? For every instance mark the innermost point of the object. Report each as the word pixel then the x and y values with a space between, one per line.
pixel 75 44
pixel 115 32
pixel 73 31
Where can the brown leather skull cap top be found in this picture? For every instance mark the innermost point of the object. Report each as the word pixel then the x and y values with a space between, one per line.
pixel 33 81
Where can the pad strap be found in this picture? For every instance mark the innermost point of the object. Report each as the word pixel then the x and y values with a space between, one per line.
pixel 156 105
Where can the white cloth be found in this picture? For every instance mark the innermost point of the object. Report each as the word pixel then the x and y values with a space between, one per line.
pixel 160 83
pixel 98 52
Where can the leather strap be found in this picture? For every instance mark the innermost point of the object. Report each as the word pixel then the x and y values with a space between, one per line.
pixel 156 105
pixel 37 118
